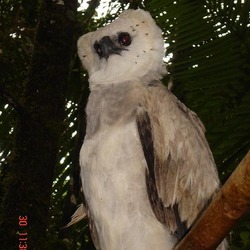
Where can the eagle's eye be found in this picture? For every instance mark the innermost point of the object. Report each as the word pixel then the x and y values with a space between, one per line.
pixel 98 49
pixel 124 39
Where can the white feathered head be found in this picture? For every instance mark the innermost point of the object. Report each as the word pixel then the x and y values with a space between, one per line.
pixel 129 48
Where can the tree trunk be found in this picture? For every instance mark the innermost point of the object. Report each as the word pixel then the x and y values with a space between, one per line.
pixel 30 174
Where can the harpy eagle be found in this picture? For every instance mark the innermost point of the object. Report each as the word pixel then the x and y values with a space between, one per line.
pixel 146 168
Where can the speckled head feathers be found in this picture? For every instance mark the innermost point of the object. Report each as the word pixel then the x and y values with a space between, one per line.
pixel 129 48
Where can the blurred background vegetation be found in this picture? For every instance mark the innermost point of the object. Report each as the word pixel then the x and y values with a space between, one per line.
pixel 43 93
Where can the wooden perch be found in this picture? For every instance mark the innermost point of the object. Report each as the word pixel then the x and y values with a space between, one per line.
pixel 228 206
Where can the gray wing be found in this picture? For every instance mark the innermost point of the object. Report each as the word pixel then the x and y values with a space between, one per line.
pixel 166 215
pixel 181 176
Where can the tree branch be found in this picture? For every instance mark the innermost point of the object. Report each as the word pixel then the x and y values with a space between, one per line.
pixel 228 206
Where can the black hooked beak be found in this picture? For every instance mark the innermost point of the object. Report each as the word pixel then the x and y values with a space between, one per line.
pixel 105 47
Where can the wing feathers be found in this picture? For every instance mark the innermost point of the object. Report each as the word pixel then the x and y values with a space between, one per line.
pixel 166 215
pixel 145 133
pixel 181 176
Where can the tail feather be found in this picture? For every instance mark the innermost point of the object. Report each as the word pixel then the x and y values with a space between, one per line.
pixel 78 215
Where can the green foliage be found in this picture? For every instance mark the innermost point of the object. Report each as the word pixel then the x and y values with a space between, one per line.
pixel 209 44
pixel 209 70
